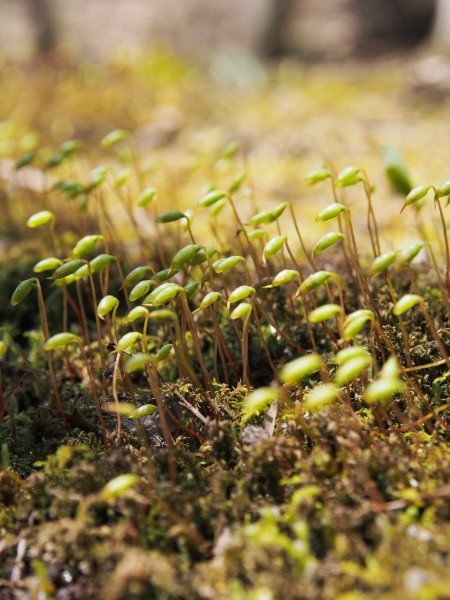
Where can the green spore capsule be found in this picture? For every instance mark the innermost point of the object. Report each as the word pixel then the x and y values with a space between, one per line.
pixel 331 211
pixel 61 340
pixel 139 312
pixel 140 289
pixel 163 293
pixel 185 255
pixel 146 196
pixel 240 293
pixel 326 241
pixel 348 177
pixel 39 219
pixel 106 305
pixel 284 276
pixel 138 361
pixel 405 303
pixel 415 195
pixel 118 486
pixel 114 137
pixel 171 216
pixel 317 175
pixel 258 401
pixel 320 397
pixel 211 198
pixel 69 268
pixel 274 245
pixel 241 311
pixel 352 369
pixel 22 291
pixel 382 263
pixel 226 264
pixel 128 340
pixel 86 244
pixel 315 280
pixel 47 264
pixel 406 256
pixel 208 300
pixel 323 313
pixel 296 370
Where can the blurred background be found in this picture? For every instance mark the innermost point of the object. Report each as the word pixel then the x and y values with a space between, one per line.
pixel 311 30
pixel 296 83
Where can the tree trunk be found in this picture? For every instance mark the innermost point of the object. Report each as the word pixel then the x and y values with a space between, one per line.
pixel 274 40
pixel 391 24
pixel 42 19
pixel 441 29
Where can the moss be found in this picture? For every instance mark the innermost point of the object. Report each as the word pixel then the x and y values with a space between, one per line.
pixel 345 502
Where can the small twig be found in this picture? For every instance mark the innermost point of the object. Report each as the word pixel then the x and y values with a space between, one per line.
pixel 387 506
pixel 193 410
pixel 18 385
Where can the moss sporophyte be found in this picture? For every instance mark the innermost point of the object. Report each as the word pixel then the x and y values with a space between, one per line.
pixel 184 310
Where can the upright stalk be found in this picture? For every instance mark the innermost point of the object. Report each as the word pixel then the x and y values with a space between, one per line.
pixel 154 386
pixel 447 250
pixel 196 341
pixel 43 313
pixel 244 346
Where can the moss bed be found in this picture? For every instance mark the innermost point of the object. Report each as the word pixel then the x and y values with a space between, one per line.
pixel 341 497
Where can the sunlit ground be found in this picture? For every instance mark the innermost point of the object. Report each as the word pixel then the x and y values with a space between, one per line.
pixel 288 120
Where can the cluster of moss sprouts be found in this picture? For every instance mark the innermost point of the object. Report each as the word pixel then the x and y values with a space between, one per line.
pixel 315 325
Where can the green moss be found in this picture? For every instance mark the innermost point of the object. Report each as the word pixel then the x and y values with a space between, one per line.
pixel 339 501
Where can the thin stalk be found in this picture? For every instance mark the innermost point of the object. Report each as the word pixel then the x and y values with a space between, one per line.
pixel 264 344
pixel 362 281
pixel 435 333
pixel 156 391
pixel 371 219
pixel 2 398
pixel 51 369
pixel 346 248
pixel 183 355
pixel 283 257
pixel 293 259
pixel 83 323
pixel 196 341
pixel 121 278
pixel 409 380
pixel 5 407
pixel 278 331
pixel 97 324
pixel 98 409
pixel 244 347
pixel 217 352
pixel 53 237
pixel 116 396
pixel 308 324
pixel 405 336
pixel 189 230
pixel 447 249
pixel 231 359
pixel 300 238
pixel 444 293
pixel 242 229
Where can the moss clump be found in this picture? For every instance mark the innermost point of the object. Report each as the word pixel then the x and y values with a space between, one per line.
pixel 297 517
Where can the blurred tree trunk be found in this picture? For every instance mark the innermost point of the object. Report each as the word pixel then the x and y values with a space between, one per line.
pixel 384 25
pixel 391 24
pixel 42 18
pixel 274 40
pixel 441 30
